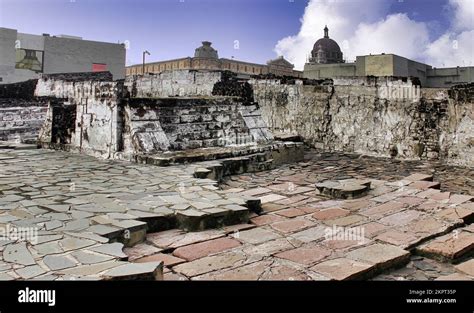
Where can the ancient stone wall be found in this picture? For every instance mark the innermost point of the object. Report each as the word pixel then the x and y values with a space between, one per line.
pixel 179 83
pixel 376 116
pixel 97 116
pixel 457 136
pixel 82 115
pixel 21 114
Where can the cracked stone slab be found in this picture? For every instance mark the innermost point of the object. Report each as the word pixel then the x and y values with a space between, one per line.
pixel 6 277
pixel 73 243
pixel 383 256
pixel 141 250
pixel 419 176
pixel 58 262
pixel 18 253
pixel 450 246
pixel 167 259
pixel 114 249
pixel 466 267
pixel 85 257
pixel 305 255
pixel 202 249
pixel 209 264
pixel 177 238
pixel 343 269
pixel 29 272
pixel 90 270
pixel 256 235
pixel 136 271
pixel 311 234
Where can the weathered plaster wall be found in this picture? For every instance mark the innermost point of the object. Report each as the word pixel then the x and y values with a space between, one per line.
pixel 457 137
pixel 100 117
pixel 368 116
pixel 178 83
pixel 95 128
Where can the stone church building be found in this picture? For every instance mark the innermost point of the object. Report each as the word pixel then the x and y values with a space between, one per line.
pixel 326 61
pixel 207 58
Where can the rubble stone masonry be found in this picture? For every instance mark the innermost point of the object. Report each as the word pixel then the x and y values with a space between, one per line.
pixel 387 117
pixel 21 115
pixel 379 116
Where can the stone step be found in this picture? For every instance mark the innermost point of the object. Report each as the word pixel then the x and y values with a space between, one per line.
pixel 363 263
pixel 17 145
pixel 450 247
pixel 281 152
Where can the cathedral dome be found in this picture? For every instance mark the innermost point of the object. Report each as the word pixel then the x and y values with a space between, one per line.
pixel 326 50
pixel 206 51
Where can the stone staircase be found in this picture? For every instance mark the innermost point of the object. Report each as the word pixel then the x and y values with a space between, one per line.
pixel 177 124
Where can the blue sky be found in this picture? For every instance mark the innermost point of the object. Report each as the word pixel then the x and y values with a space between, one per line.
pixel 174 28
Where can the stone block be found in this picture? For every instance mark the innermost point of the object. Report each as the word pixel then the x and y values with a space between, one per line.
pixel 343 269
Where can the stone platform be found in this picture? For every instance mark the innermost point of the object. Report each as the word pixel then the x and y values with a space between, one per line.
pixel 109 219
pixel 85 210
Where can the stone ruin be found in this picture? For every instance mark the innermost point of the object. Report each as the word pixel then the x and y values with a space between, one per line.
pixel 189 115
pixel 174 117
pixel 239 125
pixel 220 125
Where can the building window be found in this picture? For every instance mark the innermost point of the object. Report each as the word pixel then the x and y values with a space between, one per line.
pixel 27 59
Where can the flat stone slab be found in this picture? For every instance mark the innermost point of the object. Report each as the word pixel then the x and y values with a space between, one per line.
pixel 113 249
pixel 209 264
pixel 167 259
pixel 141 250
pixel 256 235
pixel 306 255
pixel 58 262
pixel 18 254
pixel 450 246
pixel 383 256
pixel 343 269
pixel 91 270
pixel 29 272
pixel 466 267
pixel 344 189
pixel 86 257
pixel 456 277
pixel 419 176
pixel 172 239
pixel 199 250
pixel 136 271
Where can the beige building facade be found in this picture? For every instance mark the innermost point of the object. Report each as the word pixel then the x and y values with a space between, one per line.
pixel 380 65
pixel 206 58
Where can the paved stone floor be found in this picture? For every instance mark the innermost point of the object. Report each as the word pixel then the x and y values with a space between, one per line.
pixel 87 209
pixel 77 212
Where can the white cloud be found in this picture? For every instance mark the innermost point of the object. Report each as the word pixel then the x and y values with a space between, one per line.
pixel 396 34
pixel 369 29
pixel 463 14
pixel 341 16
pixel 452 50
